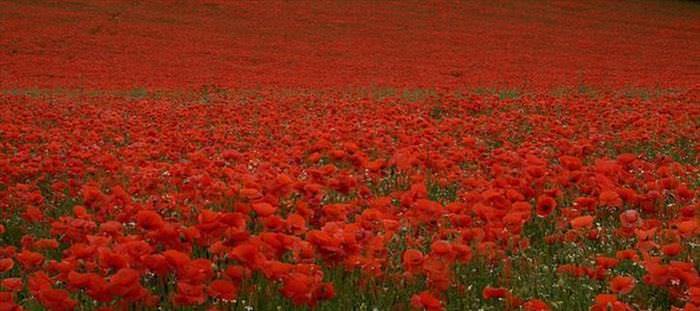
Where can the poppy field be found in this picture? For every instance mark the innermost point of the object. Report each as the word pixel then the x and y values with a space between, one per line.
pixel 349 155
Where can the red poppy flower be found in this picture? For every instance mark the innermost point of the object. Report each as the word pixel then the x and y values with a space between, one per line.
pixel 426 301
pixel 622 284
pixel 672 249
pixel 694 295
pixel 33 214
pixel 56 299
pixel 197 271
pixel 296 224
pixel 606 262
pixel 610 198
pixel 251 194
pixel 628 254
pixel 176 259
pixel 45 244
pixel 29 260
pixel 545 205
pixel 124 282
pixel 441 248
pixel 536 305
pixel 582 222
pixel 157 263
pixel 412 258
pixel 463 252
pixel 493 292
pixel 12 284
pixel 149 220
pixel 605 299
pixel 237 273
pixel 6 264
pixel 688 228
pixel 7 304
pixel 298 287
pixel 247 254
pixel 189 294
pixel 222 289
pixel 570 163
pixel 630 219
pixel 263 209
pixel 78 280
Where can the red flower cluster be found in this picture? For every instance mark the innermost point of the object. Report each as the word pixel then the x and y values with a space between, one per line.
pixel 227 155
pixel 114 203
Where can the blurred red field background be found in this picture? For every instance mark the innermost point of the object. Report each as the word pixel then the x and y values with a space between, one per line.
pixel 178 44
